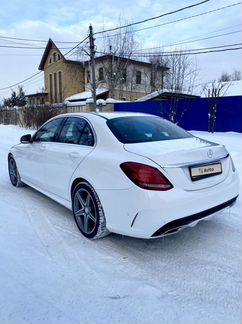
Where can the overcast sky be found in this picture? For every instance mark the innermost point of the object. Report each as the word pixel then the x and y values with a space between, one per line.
pixel 69 21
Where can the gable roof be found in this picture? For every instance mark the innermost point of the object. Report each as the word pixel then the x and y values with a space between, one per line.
pixel 166 94
pixel 48 47
pixel 51 44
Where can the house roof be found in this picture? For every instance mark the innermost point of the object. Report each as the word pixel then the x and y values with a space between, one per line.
pixel 51 44
pixel 37 94
pixel 110 57
pixel 85 95
pixel 166 93
pixel 48 47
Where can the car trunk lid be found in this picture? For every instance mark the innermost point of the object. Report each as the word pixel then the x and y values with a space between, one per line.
pixel 181 158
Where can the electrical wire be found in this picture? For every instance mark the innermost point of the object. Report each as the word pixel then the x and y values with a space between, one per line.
pixel 34 75
pixel 175 21
pixel 177 51
pixel 152 18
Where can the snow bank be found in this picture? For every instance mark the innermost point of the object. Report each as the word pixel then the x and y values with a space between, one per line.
pixel 49 273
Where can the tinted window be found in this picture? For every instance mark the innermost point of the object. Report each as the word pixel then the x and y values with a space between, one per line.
pixel 48 131
pixel 72 130
pixel 87 137
pixel 138 129
pixel 76 131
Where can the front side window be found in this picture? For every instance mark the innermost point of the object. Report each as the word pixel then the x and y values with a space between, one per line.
pixel 48 132
pixel 76 131
pixel 139 129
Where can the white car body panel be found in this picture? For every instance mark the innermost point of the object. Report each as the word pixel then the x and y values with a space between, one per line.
pixel 52 168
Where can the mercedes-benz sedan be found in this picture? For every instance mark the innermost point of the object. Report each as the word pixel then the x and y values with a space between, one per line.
pixel 133 174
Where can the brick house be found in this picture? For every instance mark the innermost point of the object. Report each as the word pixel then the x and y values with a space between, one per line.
pixel 123 78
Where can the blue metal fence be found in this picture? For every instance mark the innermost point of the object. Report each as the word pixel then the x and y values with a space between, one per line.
pixel 192 114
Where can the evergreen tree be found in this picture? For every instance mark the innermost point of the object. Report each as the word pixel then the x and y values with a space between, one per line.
pixel 16 99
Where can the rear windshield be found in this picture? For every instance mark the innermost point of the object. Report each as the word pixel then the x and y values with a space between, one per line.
pixel 139 129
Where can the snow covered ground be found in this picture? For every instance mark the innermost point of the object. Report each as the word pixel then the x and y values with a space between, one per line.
pixel 49 273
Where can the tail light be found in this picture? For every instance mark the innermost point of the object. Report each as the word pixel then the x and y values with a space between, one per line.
pixel 145 176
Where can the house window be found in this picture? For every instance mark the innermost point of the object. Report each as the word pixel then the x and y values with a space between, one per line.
pixel 54 57
pixel 100 74
pixel 138 77
pixel 51 88
pixel 55 87
pixel 58 57
pixel 50 60
pixel 88 76
pixel 60 85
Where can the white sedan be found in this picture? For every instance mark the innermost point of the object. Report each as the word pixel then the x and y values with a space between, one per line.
pixel 132 174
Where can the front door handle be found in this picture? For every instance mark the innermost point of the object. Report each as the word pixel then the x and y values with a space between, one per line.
pixel 42 147
pixel 74 155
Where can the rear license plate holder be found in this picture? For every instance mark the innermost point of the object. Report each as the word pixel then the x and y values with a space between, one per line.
pixel 203 171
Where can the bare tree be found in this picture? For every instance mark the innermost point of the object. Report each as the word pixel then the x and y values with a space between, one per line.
pixel 179 78
pixel 119 48
pixel 234 76
pixel 224 77
pixel 213 91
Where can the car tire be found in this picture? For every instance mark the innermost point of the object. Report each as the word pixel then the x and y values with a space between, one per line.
pixel 13 173
pixel 88 212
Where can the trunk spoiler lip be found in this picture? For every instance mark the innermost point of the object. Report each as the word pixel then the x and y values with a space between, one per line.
pixel 200 162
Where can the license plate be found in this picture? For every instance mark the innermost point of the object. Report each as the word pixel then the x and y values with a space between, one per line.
pixel 206 170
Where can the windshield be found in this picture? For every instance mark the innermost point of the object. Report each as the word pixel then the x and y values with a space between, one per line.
pixel 139 129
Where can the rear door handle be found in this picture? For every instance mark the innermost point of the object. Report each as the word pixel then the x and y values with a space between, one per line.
pixel 74 155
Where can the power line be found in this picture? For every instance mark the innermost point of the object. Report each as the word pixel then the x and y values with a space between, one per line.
pixel 192 53
pixel 186 41
pixel 137 30
pixel 34 75
pixel 178 51
pixel 35 40
pixel 177 20
pixel 32 47
pixel 192 41
pixel 18 83
pixel 152 18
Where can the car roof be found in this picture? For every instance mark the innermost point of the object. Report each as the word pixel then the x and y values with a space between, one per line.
pixel 105 115
pixel 111 115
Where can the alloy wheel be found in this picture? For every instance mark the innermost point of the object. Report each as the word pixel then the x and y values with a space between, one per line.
pixel 13 172
pixel 85 211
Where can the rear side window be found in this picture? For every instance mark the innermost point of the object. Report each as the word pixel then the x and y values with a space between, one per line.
pixel 139 129
pixel 76 131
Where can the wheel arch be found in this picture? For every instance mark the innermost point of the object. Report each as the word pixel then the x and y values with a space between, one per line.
pixel 75 183
pixel 9 155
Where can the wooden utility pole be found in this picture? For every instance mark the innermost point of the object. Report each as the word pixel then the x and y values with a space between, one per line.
pixel 92 62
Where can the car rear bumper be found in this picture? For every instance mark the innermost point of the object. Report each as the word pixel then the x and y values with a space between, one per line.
pixel 149 214
pixel 178 224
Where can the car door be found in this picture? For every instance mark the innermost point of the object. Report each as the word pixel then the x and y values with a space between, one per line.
pixel 61 158
pixel 31 157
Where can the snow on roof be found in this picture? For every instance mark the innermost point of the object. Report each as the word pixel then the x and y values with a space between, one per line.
pixel 160 92
pixel 85 95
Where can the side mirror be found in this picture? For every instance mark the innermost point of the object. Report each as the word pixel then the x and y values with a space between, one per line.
pixel 25 139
